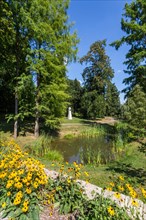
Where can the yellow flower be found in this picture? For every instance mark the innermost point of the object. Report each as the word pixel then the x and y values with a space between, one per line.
pixel 111 211
pixel 4 205
pixel 134 203
pixel 25 209
pixel 121 178
pixel 35 185
pixel 20 172
pixel 86 173
pixel 28 190
pixel 121 188
pixel 9 184
pixel 17 201
pixel 143 192
pixel 17 179
pixel 112 184
pixel 109 188
pixel 129 186
pixel 68 181
pixel 117 195
pixel 8 193
pixel 133 194
pixel 19 194
pixel 25 203
pixel 18 185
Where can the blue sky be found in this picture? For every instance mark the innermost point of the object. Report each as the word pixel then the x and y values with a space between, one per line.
pixel 97 20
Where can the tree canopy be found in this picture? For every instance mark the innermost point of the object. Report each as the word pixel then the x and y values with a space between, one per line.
pixel 133 24
pixel 97 77
pixel 35 48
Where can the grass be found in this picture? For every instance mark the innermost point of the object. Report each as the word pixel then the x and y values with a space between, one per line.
pixel 75 120
pixel 132 164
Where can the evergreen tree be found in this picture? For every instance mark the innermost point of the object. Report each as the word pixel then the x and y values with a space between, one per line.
pixel 113 107
pixel 133 24
pixel 75 92
pixel 135 108
pixel 96 76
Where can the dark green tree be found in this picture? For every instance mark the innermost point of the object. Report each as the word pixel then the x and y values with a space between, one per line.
pixel 133 24
pixel 96 75
pixel 75 92
pixel 113 106
pixel 135 107
pixel 14 50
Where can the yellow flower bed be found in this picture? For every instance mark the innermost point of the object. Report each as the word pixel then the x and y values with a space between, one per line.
pixel 21 179
pixel 121 185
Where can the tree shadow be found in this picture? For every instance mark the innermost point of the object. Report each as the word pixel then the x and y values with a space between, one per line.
pixel 142 147
pixel 6 126
pixel 129 171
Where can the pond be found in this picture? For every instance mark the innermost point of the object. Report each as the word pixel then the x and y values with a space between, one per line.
pixel 98 150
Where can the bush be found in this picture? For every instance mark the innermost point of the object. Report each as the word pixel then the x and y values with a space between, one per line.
pixel 21 179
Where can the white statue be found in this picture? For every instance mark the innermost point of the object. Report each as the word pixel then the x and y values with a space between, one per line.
pixel 69 113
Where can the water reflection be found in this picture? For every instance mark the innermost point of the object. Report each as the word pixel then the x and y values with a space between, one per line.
pixel 85 150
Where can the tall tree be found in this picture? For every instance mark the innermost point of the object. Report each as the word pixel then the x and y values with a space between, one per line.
pixel 51 45
pixel 133 24
pixel 113 106
pixel 6 58
pixel 14 49
pixel 135 107
pixel 96 75
pixel 75 92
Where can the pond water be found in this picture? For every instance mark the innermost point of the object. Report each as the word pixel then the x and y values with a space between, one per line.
pixel 99 149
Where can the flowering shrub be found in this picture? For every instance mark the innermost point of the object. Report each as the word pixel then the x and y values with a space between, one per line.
pixel 66 192
pixel 21 179
pixel 124 186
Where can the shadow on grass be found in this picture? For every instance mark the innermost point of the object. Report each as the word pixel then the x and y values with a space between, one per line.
pixel 142 147
pixel 23 127
pixel 129 171
pixel 6 127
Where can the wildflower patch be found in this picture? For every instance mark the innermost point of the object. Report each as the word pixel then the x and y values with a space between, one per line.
pixel 21 180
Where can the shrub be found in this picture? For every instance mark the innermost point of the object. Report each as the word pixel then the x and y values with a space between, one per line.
pixel 21 179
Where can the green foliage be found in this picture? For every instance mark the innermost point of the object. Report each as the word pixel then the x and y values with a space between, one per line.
pixel 133 24
pixel 93 105
pixel 71 198
pixel 92 131
pixel 53 155
pixel 113 107
pixel 75 91
pixel 96 75
pixel 135 108
pixel 36 46
pixel 68 136
pixel 41 148
pixel 128 133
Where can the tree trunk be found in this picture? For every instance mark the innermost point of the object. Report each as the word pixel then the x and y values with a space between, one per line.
pixel 36 128
pixel 16 120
